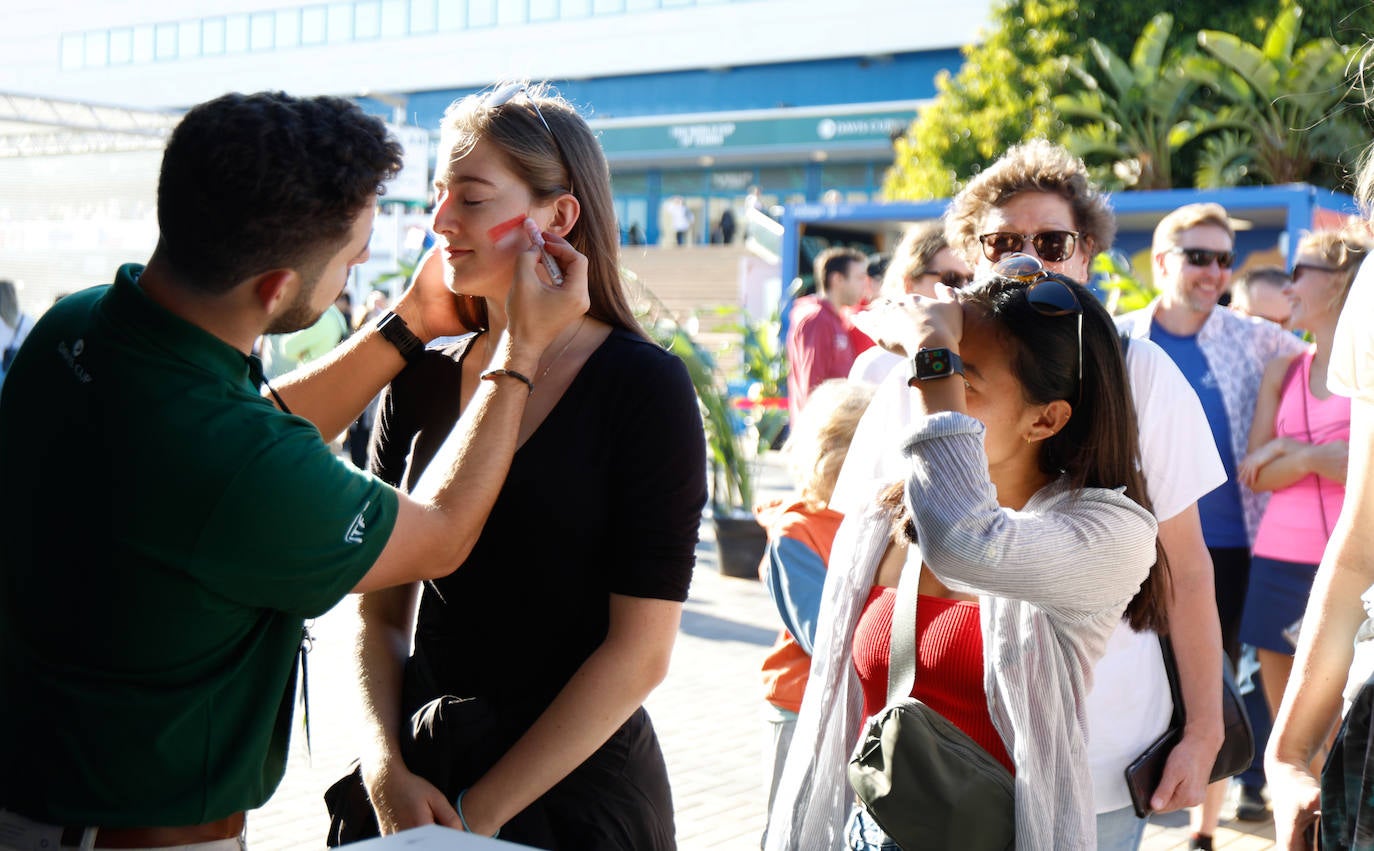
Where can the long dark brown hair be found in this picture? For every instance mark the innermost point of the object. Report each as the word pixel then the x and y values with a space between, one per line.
pixel 531 152
pixel 1099 446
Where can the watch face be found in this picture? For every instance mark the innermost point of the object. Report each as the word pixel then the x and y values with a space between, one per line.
pixel 933 363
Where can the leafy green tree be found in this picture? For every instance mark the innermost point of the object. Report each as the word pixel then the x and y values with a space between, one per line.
pixel 1287 105
pixel 1003 93
pixel 999 96
pixel 1131 119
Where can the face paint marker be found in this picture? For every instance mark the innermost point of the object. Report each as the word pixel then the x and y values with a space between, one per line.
pixel 555 274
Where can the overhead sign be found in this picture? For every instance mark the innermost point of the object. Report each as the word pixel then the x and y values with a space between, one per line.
pixel 755 134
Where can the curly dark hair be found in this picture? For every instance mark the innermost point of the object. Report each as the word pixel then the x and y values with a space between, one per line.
pixel 264 181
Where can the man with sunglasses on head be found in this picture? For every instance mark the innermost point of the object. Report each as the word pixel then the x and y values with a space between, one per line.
pixel 153 594
pixel 1037 200
pixel 1223 355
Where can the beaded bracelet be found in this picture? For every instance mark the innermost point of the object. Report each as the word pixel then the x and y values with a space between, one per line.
pixel 458 805
pixel 493 374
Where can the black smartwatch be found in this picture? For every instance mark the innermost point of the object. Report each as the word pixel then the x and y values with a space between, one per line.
pixel 934 363
pixel 398 333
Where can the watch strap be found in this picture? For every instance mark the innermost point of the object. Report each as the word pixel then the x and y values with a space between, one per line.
pixel 398 333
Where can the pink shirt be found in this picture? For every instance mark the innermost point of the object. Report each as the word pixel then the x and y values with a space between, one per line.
pixel 1300 517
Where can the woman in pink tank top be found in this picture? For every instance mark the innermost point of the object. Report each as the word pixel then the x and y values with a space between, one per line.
pixel 1299 446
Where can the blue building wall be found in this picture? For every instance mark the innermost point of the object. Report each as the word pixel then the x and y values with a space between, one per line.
pixel 908 76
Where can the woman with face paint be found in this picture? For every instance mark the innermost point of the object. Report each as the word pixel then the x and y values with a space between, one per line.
pixel 562 619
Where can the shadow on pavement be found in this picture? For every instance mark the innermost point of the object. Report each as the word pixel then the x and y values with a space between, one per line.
pixel 720 629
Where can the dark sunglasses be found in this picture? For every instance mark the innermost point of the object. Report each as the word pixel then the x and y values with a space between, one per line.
pixel 1203 257
pixel 504 95
pixel 949 278
pixel 1049 294
pixel 1052 246
pixel 1300 268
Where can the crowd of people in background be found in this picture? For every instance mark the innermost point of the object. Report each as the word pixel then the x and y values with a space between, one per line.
pixel 1081 517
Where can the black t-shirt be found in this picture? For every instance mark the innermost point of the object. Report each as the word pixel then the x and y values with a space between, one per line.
pixel 605 497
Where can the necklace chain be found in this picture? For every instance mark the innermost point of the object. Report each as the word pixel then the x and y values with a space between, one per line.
pixel 563 351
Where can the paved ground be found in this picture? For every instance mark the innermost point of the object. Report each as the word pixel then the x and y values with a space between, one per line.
pixel 707 714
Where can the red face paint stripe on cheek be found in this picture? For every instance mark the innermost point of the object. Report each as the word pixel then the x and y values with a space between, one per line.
pixel 505 227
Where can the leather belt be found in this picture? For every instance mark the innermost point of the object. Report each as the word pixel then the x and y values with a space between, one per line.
pixel 157 837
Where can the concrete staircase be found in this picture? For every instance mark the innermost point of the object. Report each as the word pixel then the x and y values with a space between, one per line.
pixel 692 280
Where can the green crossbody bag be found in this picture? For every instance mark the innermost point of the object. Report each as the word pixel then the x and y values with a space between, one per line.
pixel 922 779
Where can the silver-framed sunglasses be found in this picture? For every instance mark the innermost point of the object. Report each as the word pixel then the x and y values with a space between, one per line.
pixel 498 98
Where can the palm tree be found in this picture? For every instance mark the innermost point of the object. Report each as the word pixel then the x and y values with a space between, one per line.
pixel 1285 108
pixel 1133 117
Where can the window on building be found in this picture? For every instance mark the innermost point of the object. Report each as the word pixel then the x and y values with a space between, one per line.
pixel 422 16
pixel 236 34
pixel 73 51
pixel 212 36
pixel 481 13
pixel 97 53
pixel 188 39
pixel 312 25
pixel 260 31
pixel 574 9
pixel 642 5
pixel 339 26
pixel 393 18
pixel 121 46
pixel 510 12
pixel 143 43
pixel 452 16
pixel 608 7
pixel 166 42
pixel 288 27
pixel 543 10
pixel 367 19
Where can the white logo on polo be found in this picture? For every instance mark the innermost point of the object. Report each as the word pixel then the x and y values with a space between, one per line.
pixel 356 528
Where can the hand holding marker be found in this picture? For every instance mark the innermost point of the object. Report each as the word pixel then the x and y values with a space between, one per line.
pixel 537 238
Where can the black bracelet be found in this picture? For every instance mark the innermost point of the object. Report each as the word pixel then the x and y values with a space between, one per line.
pixel 398 333
pixel 493 374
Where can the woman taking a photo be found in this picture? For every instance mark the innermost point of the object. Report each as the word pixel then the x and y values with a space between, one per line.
pixel 1026 518
pixel 562 619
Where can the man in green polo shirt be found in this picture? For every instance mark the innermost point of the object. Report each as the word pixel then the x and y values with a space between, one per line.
pixel 152 588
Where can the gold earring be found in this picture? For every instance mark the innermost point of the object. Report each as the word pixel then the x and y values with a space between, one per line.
pixel 1028 440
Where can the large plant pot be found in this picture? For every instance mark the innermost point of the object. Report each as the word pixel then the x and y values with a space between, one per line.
pixel 740 542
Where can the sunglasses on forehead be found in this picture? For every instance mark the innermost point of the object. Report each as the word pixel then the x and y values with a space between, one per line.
pixel 1203 257
pixel 498 98
pixel 1052 246
pixel 1048 293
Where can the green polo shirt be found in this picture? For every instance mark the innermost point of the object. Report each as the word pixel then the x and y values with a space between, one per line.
pixel 165 532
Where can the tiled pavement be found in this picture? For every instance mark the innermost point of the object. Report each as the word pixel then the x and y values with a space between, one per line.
pixel 707 714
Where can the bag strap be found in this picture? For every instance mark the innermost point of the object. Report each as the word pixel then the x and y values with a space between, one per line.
pixel 901 648
pixel 1166 649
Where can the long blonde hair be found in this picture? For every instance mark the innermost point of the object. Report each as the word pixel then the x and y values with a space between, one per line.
pixel 821 435
pixel 533 153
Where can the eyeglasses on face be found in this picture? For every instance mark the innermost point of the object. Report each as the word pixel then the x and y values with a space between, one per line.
pixel 1299 269
pixel 1052 246
pixel 949 277
pixel 504 95
pixel 1203 257
pixel 1049 294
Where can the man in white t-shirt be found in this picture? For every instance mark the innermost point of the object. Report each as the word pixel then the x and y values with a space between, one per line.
pixel 1335 611
pixel 1037 199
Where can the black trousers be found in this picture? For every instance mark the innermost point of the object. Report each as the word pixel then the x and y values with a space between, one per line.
pixel 1231 577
